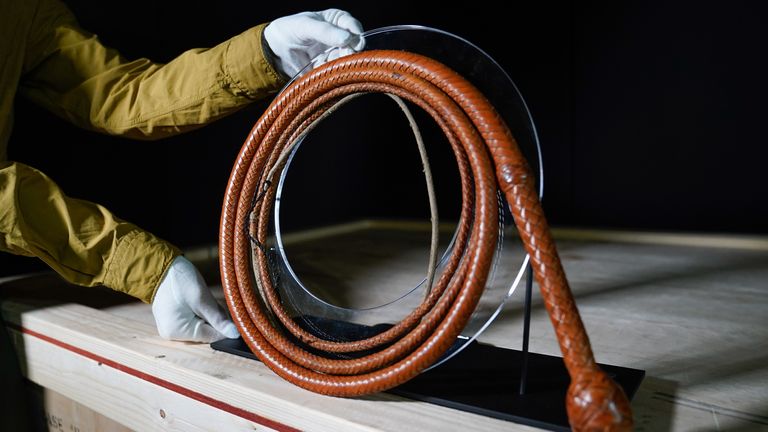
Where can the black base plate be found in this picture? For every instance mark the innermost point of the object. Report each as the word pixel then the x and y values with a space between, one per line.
pixel 485 380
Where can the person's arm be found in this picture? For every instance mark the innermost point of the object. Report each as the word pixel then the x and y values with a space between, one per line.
pixel 68 71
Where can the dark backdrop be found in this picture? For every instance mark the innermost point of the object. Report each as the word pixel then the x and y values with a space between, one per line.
pixel 650 115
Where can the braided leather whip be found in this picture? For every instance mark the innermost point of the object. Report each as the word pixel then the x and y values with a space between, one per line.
pixel 487 156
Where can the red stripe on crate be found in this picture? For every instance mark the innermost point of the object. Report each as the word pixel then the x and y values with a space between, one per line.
pixel 160 382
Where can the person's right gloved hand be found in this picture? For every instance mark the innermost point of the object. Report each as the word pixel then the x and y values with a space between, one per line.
pixel 297 39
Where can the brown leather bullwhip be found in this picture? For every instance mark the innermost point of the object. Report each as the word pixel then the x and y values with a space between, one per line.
pixel 488 158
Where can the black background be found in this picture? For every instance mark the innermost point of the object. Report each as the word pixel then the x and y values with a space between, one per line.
pixel 651 116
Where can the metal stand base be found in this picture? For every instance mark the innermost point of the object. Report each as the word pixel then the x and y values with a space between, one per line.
pixel 484 379
pixel 519 386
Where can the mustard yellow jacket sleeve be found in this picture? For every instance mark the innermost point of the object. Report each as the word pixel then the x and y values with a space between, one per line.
pixel 55 63
pixel 68 71
pixel 82 241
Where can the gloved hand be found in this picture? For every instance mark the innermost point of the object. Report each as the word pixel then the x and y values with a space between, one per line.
pixel 183 304
pixel 297 39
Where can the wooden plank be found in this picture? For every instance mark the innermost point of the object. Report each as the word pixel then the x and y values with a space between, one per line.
pixel 691 313
pixel 700 239
pixel 120 368
pixel 694 318
pixel 62 414
pixel 707 240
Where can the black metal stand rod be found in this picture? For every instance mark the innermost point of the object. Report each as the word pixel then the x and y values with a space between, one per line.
pixel 526 328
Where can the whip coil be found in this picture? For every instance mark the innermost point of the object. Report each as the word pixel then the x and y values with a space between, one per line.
pixel 488 159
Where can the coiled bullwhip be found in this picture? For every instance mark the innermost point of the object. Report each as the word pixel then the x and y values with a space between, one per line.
pixel 488 159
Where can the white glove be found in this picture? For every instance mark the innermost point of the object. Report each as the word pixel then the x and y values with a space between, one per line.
pixel 297 39
pixel 183 304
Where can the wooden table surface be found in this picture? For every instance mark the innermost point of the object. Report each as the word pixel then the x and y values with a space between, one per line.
pixel 692 311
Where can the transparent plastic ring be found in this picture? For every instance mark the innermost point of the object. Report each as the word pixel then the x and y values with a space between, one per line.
pixel 510 262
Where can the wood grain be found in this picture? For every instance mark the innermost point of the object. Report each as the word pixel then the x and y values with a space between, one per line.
pixel 692 315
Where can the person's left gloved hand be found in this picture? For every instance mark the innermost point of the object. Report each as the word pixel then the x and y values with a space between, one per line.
pixel 298 39
pixel 185 309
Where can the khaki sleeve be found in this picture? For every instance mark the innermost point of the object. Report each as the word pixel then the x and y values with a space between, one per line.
pixel 82 241
pixel 71 73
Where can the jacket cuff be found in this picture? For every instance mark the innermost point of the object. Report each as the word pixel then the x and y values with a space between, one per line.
pixel 138 264
pixel 248 67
